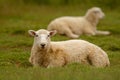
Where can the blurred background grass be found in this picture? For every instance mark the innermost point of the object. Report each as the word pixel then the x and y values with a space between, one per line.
pixel 18 16
pixel 102 3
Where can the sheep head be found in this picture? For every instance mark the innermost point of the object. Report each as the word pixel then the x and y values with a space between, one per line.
pixel 42 38
pixel 95 12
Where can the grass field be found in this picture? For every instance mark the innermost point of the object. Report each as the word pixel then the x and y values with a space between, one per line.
pixel 15 44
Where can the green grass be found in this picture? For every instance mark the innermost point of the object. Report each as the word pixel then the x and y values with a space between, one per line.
pixel 15 44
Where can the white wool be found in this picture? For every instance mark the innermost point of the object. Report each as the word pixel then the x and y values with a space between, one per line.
pixel 64 52
pixel 73 27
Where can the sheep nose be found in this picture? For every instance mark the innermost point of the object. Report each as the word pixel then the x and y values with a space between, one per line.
pixel 43 45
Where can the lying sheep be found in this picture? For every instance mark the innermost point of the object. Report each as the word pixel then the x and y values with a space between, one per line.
pixel 75 26
pixel 53 54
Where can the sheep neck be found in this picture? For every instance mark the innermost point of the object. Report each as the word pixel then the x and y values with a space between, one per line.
pixel 92 19
pixel 46 56
pixel 42 55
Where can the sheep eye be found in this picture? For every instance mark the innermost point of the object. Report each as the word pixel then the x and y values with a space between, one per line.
pixel 36 35
pixel 48 35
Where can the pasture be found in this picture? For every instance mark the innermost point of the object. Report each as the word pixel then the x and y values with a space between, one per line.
pixel 15 43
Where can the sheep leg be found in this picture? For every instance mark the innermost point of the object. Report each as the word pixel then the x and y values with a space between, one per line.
pixel 50 66
pixel 69 33
pixel 60 61
pixel 91 33
pixel 36 64
pixel 102 32
pixel 34 61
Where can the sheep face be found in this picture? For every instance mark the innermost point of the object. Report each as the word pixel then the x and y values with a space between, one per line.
pixel 96 12
pixel 42 38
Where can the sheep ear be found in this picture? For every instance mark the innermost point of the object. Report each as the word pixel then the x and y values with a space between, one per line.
pixel 52 33
pixel 32 32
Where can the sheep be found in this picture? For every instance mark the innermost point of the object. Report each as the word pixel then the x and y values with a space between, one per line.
pixel 73 27
pixel 47 53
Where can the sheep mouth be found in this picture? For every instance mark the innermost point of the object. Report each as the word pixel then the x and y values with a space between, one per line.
pixel 42 47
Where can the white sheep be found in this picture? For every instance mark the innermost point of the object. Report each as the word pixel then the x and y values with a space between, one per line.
pixel 53 54
pixel 73 27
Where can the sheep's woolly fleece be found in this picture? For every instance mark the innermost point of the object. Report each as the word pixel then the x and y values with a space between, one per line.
pixel 73 27
pixel 54 54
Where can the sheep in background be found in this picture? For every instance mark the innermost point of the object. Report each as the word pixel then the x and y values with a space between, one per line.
pixel 53 54
pixel 73 27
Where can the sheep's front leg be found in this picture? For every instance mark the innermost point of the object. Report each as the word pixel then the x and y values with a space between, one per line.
pixel 70 34
pixel 35 64
pixel 53 65
pixel 50 66
pixel 33 61
pixel 102 32
pixel 56 63
pixel 90 33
